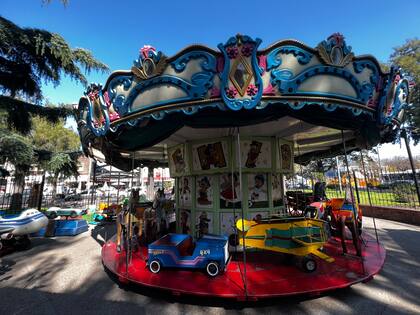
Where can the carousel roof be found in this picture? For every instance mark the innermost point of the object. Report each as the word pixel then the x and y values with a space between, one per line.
pixel 287 90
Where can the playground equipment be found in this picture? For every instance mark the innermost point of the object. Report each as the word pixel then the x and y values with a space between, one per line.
pixel 230 124
pixel 301 237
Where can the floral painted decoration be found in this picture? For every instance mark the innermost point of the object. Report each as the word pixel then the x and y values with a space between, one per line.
pixel 232 52
pixel 231 92
pixel 252 90
pixel 246 50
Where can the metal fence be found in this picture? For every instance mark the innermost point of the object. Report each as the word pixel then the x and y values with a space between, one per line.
pixel 382 186
pixel 379 187
pixel 32 198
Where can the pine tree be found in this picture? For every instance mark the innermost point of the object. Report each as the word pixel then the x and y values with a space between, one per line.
pixel 30 57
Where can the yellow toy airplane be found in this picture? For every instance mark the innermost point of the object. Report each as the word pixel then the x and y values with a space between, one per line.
pixel 297 236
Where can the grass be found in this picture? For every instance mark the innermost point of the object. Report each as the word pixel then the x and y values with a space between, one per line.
pixel 382 198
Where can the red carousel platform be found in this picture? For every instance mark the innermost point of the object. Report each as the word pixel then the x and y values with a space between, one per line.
pixel 268 275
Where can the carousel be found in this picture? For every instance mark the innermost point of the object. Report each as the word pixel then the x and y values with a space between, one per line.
pixel 231 124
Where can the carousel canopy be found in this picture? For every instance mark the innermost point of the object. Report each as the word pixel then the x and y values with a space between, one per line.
pixel 287 90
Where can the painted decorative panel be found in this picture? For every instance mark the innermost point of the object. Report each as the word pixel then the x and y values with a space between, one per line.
pixel 204 191
pixel 228 223
pixel 286 156
pixel 210 156
pixel 204 222
pixel 256 154
pixel 185 191
pixel 230 193
pixel 276 190
pixel 257 190
pixel 185 221
pixel 178 160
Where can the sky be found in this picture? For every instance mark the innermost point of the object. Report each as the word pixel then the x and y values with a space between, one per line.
pixel 115 30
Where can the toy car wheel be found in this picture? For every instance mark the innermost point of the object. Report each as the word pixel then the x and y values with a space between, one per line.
pixel 309 264
pixel 212 269
pixel 73 214
pixel 154 266
pixel 52 215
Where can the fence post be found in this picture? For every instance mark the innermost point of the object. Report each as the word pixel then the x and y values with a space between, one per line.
pixel 41 191
pixel 94 182
pixel 368 193
pixel 410 157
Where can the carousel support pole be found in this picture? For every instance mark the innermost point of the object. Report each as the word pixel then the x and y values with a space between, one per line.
pixel 233 204
pixel 242 213
pixel 355 186
pixel 118 190
pixel 301 183
pixel 131 210
pixel 348 173
pixel 368 193
pixel 410 157
pixel 379 162
pixel 109 188
pixel 338 174
pixel 128 226
pixel 351 192
pixel 94 182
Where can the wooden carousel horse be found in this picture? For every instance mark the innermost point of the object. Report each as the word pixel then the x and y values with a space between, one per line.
pixel 159 208
pixel 130 219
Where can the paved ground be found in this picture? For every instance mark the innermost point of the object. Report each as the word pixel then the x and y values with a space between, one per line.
pixel 65 276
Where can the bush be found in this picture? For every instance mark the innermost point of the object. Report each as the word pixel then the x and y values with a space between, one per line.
pixel 403 192
pixel 382 186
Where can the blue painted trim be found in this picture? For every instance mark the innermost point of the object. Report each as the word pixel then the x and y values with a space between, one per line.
pixel 247 103
pixel 397 105
pixel 117 99
pixel 98 131
pixel 201 82
pixel 208 64
pixel 273 61
pixel 287 84
pixel 358 67
pixel 330 107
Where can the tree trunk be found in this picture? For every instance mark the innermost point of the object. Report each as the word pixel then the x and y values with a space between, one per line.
pixel 54 181
pixel 18 187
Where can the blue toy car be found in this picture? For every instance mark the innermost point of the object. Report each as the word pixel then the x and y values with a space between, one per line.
pixel 179 250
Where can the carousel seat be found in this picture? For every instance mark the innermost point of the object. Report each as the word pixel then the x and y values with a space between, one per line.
pixel 186 247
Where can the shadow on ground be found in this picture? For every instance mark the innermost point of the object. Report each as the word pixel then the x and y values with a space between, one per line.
pixel 45 289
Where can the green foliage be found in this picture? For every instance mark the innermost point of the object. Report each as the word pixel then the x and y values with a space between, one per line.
pixel 16 150
pixel 53 137
pixel 403 192
pixel 62 164
pixel 407 56
pixel 18 113
pixel 29 57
